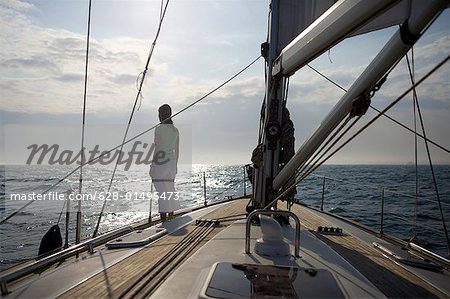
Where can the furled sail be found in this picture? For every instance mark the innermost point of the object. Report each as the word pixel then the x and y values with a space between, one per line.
pixel 298 15
pixel 334 25
pixel 395 15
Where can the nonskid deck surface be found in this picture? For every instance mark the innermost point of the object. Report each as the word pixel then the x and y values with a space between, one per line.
pixel 132 278
pixel 393 279
pixel 65 275
pixel 362 270
pixel 137 275
pixel 160 263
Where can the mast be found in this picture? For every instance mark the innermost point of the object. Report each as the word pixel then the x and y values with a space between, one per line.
pixel 272 114
pixel 287 18
pixel 358 94
pixel 300 31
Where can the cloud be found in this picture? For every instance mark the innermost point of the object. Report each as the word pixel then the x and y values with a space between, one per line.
pixel 306 86
pixel 45 71
pixel 76 78
pixel 435 89
pixel 37 63
pixel 435 46
pixel 43 74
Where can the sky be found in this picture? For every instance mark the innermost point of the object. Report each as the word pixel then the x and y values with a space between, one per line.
pixel 202 43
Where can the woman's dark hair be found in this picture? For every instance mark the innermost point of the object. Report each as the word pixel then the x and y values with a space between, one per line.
pixel 165 112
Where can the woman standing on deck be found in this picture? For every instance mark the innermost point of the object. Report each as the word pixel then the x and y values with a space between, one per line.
pixel 164 164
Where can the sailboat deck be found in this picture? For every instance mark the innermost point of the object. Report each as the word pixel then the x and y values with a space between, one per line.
pixel 126 278
pixel 389 277
pixel 134 276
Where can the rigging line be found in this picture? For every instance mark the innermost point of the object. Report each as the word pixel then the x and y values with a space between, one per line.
pixel 326 144
pixel 412 131
pixel 66 235
pixel 152 47
pixel 385 115
pixel 105 153
pixel 327 78
pixel 316 164
pixel 416 193
pixel 162 12
pixel 216 89
pixel 336 132
pixel 286 91
pixel 138 95
pixel 387 108
pixel 433 174
pixel 137 88
pixel 261 121
pixel 60 214
pixel 310 167
pixel 284 106
pixel 263 105
pixel 86 67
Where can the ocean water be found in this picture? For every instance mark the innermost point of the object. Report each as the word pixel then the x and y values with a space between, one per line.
pixel 353 191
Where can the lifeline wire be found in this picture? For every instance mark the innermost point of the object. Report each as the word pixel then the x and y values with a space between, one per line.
pixel 444 226
pixel 80 186
pixel 377 116
pixel 385 115
pixel 387 108
pixel 138 96
pixel 132 138
pixel 416 172
pixel 307 168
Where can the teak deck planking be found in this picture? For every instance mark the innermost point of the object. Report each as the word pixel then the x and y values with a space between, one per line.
pixel 392 279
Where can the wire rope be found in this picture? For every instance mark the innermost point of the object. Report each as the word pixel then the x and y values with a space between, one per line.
pixel 138 96
pixel 378 111
pixel 94 159
pixel 416 170
pixel 387 108
pixel 86 72
pixel 433 174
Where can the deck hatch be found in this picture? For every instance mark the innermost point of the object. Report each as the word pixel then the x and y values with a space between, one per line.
pixel 233 280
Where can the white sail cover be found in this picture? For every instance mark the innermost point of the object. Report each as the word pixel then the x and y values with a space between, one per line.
pixel 343 19
pixel 297 15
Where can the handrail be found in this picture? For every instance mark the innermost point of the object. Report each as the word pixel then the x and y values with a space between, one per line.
pixel 231 186
pixel 55 257
pixel 86 245
pixel 272 212
pixel 376 187
pixel 429 253
pixel 383 196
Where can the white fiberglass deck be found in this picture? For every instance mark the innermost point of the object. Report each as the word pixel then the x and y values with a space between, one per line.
pixel 228 246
